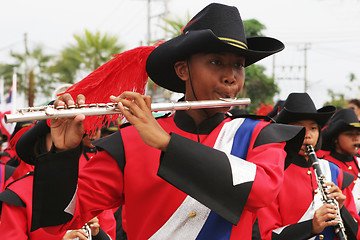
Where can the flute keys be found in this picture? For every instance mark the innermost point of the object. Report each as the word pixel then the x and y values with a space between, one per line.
pixel 82 105
pixel 50 111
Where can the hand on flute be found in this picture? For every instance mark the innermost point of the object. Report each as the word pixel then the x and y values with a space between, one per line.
pixel 136 109
pixel 67 133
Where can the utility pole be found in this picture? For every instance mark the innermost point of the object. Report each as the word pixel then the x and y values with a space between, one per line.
pixel 25 60
pixel 306 47
pixel 148 22
pixel 273 67
pixel 149 17
pixel 293 72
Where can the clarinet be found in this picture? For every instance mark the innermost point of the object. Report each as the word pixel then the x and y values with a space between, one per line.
pixel 321 180
pixel 86 228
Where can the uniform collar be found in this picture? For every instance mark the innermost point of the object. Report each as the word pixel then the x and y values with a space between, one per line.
pixel 187 124
pixel 342 157
pixel 89 150
pixel 296 159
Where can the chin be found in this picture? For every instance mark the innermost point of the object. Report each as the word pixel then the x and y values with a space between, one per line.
pixel 212 111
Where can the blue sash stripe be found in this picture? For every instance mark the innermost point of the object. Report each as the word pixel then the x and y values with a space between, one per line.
pixel 1 166
pixel 334 173
pixel 242 138
pixel 215 227
pixel 329 231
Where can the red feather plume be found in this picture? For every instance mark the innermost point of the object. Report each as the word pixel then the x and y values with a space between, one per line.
pixel 125 72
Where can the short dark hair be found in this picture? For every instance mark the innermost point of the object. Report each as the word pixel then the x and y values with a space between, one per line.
pixel 355 102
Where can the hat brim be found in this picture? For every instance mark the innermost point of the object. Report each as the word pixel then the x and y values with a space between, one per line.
pixel 321 116
pixel 161 61
pixel 335 129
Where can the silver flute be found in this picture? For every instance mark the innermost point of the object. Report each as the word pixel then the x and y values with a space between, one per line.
pixel 99 109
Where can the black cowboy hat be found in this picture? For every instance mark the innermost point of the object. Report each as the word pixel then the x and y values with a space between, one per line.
pixel 345 119
pixel 299 106
pixel 216 28
pixel 278 106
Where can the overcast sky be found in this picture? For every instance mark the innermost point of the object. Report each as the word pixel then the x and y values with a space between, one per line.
pixel 329 29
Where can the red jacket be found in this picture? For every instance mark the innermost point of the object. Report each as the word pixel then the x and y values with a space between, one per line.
pixel 159 188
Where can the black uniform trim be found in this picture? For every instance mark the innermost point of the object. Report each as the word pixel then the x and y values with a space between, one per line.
pixel 351 226
pixel 113 144
pixel 25 146
pixel 101 235
pixel 275 133
pixel 9 170
pixel 190 163
pixel 298 231
pixel 12 198
pixel 50 198
pixel 347 180
pixel 256 235
pixel 187 124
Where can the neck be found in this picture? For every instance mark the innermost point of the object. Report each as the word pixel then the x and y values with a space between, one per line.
pixel 198 115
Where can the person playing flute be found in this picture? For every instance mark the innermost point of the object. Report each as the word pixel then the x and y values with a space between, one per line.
pixel 196 174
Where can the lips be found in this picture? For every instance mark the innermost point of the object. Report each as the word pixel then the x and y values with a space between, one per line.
pixel 225 94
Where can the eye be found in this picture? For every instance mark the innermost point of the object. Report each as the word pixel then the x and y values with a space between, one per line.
pixel 215 62
pixel 239 65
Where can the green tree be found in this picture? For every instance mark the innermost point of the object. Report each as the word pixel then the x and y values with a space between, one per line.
pixel 173 27
pixel 260 88
pixel 338 99
pixel 32 70
pixel 90 51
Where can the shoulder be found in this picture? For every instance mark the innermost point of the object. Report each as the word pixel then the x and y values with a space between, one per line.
pixel 18 192
pixel 276 133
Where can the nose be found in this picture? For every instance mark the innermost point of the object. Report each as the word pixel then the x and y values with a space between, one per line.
pixel 229 76
pixel 357 137
pixel 307 133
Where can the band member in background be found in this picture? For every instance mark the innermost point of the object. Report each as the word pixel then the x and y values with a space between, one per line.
pixel 16 199
pixel 196 174
pixel 298 212
pixel 354 104
pixel 341 140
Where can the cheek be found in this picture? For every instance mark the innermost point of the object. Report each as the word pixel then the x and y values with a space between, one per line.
pixel 345 143
pixel 240 79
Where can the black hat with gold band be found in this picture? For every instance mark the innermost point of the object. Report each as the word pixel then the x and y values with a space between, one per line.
pixel 299 106
pixel 344 120
pixel 216 28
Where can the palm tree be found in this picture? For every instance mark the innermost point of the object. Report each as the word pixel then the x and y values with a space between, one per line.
pixel 32 70
pixel 88 53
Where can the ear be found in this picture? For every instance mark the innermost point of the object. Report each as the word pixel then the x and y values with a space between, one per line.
pixel 181 69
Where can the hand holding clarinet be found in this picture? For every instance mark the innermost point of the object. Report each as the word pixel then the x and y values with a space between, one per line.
pixel 333 199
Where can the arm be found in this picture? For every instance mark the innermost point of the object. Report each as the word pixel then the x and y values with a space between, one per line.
pixel 207 174
pixel 77 201
pixel 271 225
